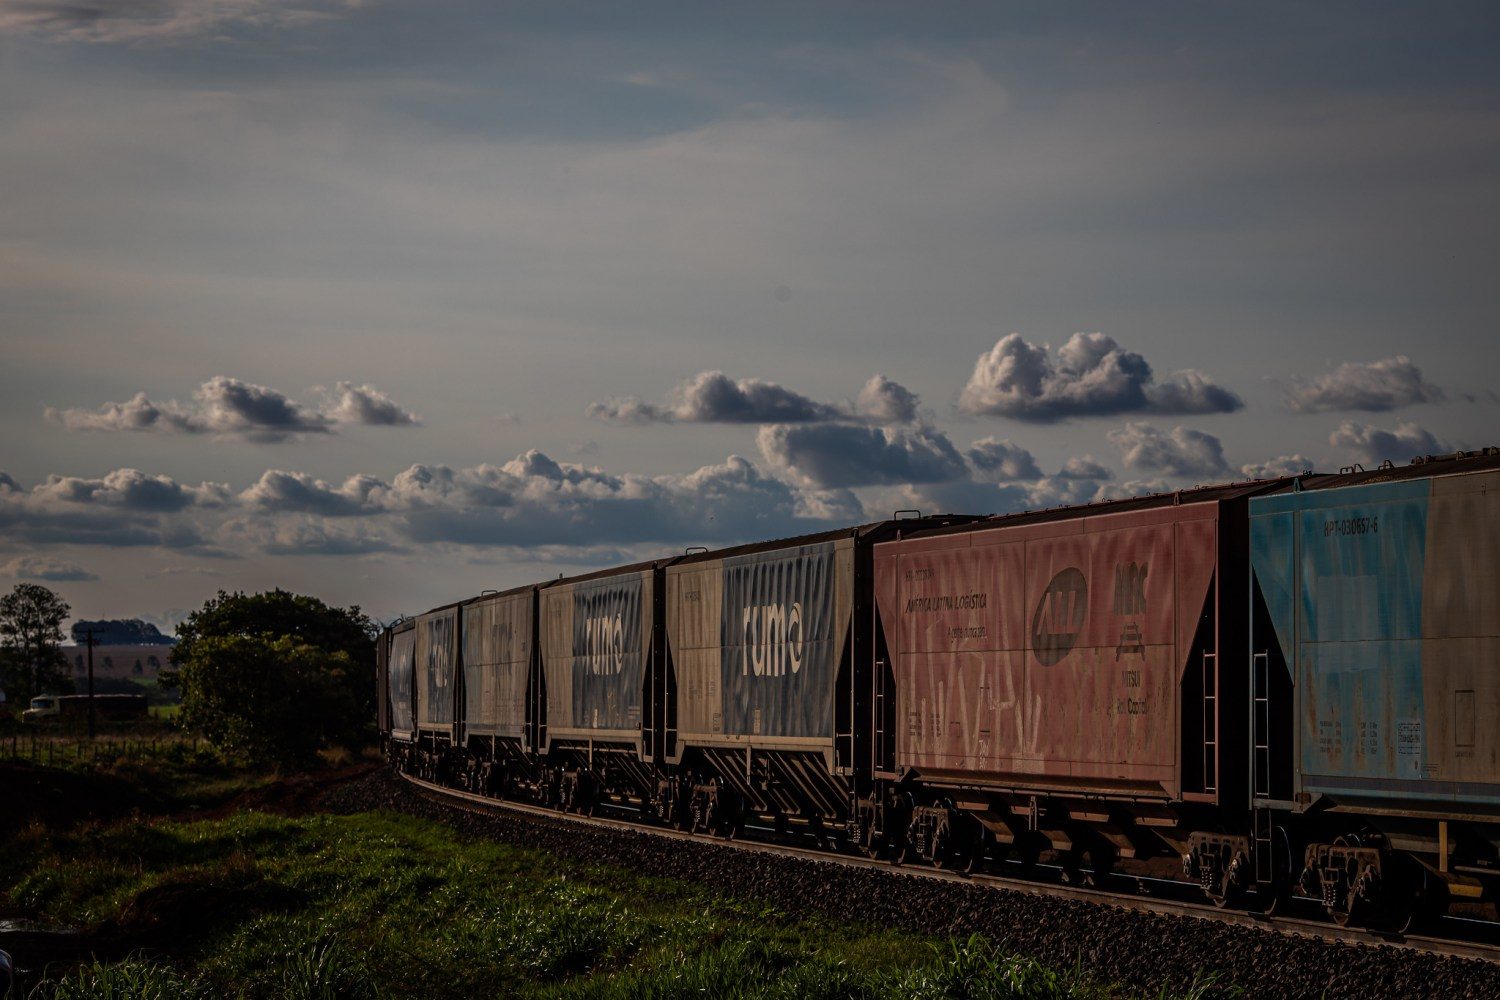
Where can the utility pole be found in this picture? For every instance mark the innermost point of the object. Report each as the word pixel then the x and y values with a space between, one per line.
pixel 90 635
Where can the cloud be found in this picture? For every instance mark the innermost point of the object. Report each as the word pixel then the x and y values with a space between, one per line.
pixel 1191 391
pixel 886 402
pixel 160 20
pixel 123 508
pixel 42 568
pixel 1277 468
pixel 1373 444
pixel 1373 386
pixel 231 407
pixel 629 410
pixel 844 455
pixel 367 405
pixel 259 413
pixel 1091 376
pixel 312 536
pixel 1181 452
pixel 298 492
pixel 1002 461
pixel 1084 467
pixel 129 489
pixel 139 414
pixel 714 398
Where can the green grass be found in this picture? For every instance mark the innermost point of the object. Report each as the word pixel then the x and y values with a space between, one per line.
pixel 379 905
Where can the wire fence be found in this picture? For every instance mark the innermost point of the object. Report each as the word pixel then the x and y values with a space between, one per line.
pixel 64 750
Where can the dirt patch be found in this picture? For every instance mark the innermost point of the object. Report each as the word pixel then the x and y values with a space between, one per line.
pixel 293 795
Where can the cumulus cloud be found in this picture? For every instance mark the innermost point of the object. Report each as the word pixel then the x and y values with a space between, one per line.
pixel 43 568
pixel 1277 468
pixel 129 489
pixel 715 398
pixel 1092 375
pixel 138 414
pixel 125 507
pixel 844 455
pixel 1373 386
pixel 160 21
pixel 1374 444
pixel 311 536
pixel 231 407
pixel 629 410
pixel 1002 461
pixel 367 405
pixel 886 402
pixel 1180 452
pixel 277 490
pixel 1191 391
pixel 1084 467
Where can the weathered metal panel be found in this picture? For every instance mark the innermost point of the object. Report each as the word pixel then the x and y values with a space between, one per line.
pixel 402 662
pixel 1360 650
pixel 436 665
pixel 695 601
pixel 1051 650
pixel 1273 564
pixel 1461 633
pixel 756 641
pixel 595 641
pixel 1396 635
pixel 497 660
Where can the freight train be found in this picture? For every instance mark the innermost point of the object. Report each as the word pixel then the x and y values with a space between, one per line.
pixel 1278 689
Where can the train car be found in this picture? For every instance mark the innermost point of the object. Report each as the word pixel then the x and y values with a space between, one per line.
pixel 766 651
pixel 397 694
pixel 501 691
pixel 1375 643
pixel 436 680
pixel 1065 683
pixel 601 645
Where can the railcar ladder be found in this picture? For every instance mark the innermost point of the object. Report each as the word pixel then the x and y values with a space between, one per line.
pixel 880 734
pixel 1261 767
pixel 1210 722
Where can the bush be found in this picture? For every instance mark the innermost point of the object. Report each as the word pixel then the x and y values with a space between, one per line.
pixel 267 699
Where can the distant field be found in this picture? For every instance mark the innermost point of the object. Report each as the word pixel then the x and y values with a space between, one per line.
pixel 381 905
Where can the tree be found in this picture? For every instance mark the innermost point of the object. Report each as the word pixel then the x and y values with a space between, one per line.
pixel 271 699
pixel 304 621
pixel 120 632
pixel 31 618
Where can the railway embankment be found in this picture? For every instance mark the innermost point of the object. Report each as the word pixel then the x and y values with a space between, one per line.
pixel 1148 953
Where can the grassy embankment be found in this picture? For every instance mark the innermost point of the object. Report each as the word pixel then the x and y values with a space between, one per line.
pixel 379 905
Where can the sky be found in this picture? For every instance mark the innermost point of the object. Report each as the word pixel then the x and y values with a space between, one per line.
pixel 393 302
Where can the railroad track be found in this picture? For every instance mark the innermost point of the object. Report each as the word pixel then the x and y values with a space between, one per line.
pixel 1462 945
